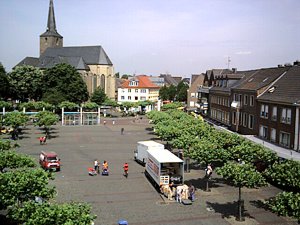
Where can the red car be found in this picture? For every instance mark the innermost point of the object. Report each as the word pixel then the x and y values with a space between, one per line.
pixel 49 161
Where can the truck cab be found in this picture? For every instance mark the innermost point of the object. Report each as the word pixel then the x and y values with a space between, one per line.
pixel 49 161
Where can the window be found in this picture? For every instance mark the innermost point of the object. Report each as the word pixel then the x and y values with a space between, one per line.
pixel 245 119
pixel 251 121
pixel 234 118
pixel 129 97
pixel 193 95
pixel 284 139
pixel 122 97
pixel 143 98
pixel 133 83
pixel 136 90
pixel 143 90
pixel 273 135
pixel 245 99
pixel 264 111
pixel 263 131
pixel 286 115
pixel 129 90
pixel 235 97
pixel 251 100
pixel 136 98
pixel 274 113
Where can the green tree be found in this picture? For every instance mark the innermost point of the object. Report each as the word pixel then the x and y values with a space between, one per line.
pixel 286 204
pixel 163 93
pixel 23 185
pixel 46 119
pixel 68 105
pixel 99 96
pixel 182 88
pixel 66 80
pixel 11 159
pixel 90 105
pixel 32 213
pixel 172 92
pixel 286 174
pixel 26 83
pixel 4 84
pixel 40 105
pixel 15 120
pixel 53 96
pixel 241 175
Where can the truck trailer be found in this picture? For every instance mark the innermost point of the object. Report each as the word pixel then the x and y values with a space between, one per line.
pixel 163 168
pixel 140 154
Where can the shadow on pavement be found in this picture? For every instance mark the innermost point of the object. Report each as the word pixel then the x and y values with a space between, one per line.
pixel 200 183
pixel 227 210
pixel 260 204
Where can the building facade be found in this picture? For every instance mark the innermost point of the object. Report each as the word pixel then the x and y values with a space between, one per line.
pixel 138 88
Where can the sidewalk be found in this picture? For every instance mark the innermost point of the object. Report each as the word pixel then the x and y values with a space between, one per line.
pixel 281 152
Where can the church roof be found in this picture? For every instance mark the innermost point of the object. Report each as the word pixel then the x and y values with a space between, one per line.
pixel 29 61
pixel 51 25
pixel 77 62
pixel 91 55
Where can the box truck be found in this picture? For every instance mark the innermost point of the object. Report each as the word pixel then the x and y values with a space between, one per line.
pixel 163 167
pixel 140 154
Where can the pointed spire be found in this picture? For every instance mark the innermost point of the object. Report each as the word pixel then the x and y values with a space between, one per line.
pixel 51 26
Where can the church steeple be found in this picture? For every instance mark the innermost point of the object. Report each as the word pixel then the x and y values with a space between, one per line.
pixel 51 18
pixel 51 38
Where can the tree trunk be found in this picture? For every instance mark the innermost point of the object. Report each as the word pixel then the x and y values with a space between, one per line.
pixel 240 216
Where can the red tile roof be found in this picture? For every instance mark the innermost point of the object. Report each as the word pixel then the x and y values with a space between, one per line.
pixel 143 82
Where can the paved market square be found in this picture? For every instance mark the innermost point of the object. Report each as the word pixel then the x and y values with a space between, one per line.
pixel 134 199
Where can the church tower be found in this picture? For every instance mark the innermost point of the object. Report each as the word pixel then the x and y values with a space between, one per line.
pixel 51 38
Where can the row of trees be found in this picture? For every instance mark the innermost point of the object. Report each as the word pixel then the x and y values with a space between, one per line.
pixel 27 196
pixel 241 161
pixel 53 85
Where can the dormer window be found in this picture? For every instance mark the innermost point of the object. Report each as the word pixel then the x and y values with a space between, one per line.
pixel 133 83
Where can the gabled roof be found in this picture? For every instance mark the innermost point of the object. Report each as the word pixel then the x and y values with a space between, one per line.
pixel 143 82
pixel 29 61
pixel 260 78
pixel 91 55
pixel 197 79
pixel 286 89
pixel 169 80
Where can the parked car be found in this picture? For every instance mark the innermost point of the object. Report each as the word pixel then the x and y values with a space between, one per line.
pixel 49 161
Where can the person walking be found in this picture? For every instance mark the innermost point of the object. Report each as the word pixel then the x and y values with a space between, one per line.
pixel 122 131
pixel 125 167
pixel 96 165
pixel 192 192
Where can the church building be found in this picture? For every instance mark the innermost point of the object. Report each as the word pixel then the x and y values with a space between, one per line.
pixel 91 62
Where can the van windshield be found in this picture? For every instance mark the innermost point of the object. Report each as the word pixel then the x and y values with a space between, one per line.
pixel 51 158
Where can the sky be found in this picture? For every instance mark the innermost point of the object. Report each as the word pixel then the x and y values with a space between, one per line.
pixel 178 37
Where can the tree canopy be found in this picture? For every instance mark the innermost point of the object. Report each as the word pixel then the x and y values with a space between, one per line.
pixel 66 80
pixel 26 83
pixel 4 84
pixel 99 96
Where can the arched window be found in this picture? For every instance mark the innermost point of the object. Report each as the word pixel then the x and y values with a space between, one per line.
pixel 102 82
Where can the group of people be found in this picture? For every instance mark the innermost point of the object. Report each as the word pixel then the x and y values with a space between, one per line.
pixel 105 167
